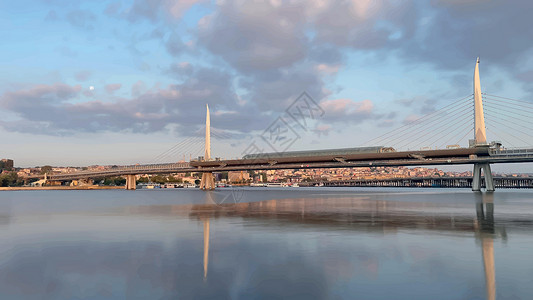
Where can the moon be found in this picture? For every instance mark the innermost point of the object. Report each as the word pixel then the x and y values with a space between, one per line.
pixel 91 88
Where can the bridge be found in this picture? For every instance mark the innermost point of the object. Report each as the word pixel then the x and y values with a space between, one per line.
pixel 480 153
pixel 445 182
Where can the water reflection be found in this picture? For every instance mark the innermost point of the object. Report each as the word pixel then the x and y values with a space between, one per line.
pixel 486 232
pixel 307 246
pixel 361 214
pixel 206 246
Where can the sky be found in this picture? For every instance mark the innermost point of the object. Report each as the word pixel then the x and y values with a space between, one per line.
pixel 126 82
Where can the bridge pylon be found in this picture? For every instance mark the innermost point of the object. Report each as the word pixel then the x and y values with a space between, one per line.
pixel 208 181
pixel 131 182
pixel 480 137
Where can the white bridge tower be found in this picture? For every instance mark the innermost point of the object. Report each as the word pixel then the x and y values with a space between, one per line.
pixel 480 137
pixel 208 181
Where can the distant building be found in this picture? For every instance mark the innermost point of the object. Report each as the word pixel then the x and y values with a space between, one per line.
pixel 6 164
pixel 238 176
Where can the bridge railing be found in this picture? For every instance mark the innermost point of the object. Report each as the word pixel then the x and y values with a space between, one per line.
pixel 513 152
pixel 124 170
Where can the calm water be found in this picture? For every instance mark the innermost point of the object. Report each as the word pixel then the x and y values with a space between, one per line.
pixel 257 243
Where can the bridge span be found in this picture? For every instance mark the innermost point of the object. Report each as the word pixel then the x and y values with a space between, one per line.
pixel 387 159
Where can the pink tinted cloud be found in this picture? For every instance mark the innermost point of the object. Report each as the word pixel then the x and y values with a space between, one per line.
pixel 111 88
pixel 347 106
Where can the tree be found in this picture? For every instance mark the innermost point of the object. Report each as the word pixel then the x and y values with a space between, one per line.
pixel 143 180
pixel 46 169
pixel 10 179
pixel 115 181
pixel 174 179
pixel 159 179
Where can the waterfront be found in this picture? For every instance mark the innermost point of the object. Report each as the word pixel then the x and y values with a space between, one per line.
pixel 260 243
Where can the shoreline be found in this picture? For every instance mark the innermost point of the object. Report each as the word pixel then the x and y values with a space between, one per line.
pixel 60 187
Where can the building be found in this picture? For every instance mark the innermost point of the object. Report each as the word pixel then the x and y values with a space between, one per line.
pixel 238 176
pixel 6 164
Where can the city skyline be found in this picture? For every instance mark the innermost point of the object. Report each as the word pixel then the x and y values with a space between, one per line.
pixel 119 83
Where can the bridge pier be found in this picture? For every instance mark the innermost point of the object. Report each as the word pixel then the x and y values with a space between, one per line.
pixel 208 181
pixel 131 182
pixel 487 174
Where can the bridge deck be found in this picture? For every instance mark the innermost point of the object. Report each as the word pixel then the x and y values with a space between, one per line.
pixel 404 158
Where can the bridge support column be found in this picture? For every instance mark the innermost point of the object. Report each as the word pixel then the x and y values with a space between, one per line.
pixel 208 181
pixel 131 182
pixel 487 174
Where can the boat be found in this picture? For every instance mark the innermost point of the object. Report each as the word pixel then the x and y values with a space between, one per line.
pixel 149 186
pixel 172 186
pixel 275 184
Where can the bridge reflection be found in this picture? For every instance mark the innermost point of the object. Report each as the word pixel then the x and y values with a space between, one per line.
pixel 360 214
pixel 486 232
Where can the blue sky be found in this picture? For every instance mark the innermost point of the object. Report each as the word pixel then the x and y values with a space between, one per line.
pixel 120 82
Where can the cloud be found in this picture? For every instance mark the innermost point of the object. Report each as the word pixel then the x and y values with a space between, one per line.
pixel 459 31
pixel 328 69
pixel 175 45
pixel 276 90
pixel 51 109
pixel 322 129
pixel 112 8
pixel 263 54
pixel 347 110
pixel 38 105
pixel 255 36
pixel 411 118
pixel 83 75
pixel 138 88
pixel 153 10
pixel 111 88
pixel 83 19
pixel 365 24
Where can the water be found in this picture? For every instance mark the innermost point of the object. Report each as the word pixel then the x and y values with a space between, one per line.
pixel 265 243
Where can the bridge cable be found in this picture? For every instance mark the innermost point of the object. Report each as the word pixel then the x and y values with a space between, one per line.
pixel 452 138
pixel 502 124
pixel 187 140
pixel 513 104
pixel 165 154
pixel 425 129
pixel 423 126
pixel 469 132
pixel 185 147
pixel 445 125
pixel 180 147
pixel 502 108
pixel 500 137
pixel 459 130
pixel 420 122
pixel 456 125
pixel 395 131
pixel 490 111
pixel 455 135
pixel 526 102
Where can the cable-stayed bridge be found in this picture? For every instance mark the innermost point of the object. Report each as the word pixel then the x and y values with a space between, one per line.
pixel 434 139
